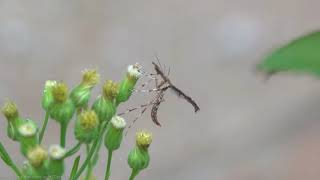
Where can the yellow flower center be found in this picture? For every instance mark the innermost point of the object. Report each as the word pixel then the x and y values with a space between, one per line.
pixel 143 138
pixel 90 77
pixel 89 120
pixel 60 92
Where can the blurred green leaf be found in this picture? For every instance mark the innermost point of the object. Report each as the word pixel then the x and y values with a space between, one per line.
pixel 74 167
pixel 301 55
pixel 5 156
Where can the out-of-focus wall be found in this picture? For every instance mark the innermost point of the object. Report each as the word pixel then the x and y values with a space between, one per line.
pixel 247 129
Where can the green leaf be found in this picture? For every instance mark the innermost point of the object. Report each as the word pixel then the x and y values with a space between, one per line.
pixel 74 167
pixel 5 156
pixel 300 56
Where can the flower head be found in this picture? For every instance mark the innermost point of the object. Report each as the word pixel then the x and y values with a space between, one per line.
pixel 10 111
pixel 134 71
pixel 110 89
pixel 60 92
pixel 37 156
pixel 143 138
pixel 118 122
pixel 56 152
pixel 28 129
pixel 89 120
pixel 90 77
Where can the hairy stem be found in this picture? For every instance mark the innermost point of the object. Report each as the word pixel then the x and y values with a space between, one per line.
pixel 44 126
pixel 73 150
pixel 108 165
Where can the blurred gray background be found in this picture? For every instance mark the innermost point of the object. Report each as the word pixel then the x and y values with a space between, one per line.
pixel 247 129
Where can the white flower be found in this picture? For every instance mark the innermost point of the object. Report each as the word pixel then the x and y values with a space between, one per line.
pixel 28 129
pixel 56 152
pixel 118 122
pixel 135 70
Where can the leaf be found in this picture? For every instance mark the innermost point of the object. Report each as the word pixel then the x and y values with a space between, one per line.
pixel 5 156
pixel 300 56
pixel 74 167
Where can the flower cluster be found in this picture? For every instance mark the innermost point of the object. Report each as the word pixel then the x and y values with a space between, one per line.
pixel 94 125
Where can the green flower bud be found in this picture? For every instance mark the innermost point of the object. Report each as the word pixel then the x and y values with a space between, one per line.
pixel 55 164
pixel 10 111
pixel 80 95
pixel 114 133
pixel 11 132
pixel 104 108
pixel 62 108
pixel 47 97
pixel 86 127
pixel 128 83
pixel 139 158
pixel 34 169
pixel 32 173
pixel 28 136
pixel 62 112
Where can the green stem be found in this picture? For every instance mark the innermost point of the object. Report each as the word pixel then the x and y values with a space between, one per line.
pixel 17 171
pixel 63 134
pixel 44 127
pixel 96 154
pixel 89 169
pixel 90 154
pixel 134 173
pixel 73 150
pixel 108 165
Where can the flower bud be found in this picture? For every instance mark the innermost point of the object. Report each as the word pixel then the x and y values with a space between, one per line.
pixel 60 92
pixel 34 168
pixel 143 139
pixel 37 156
pixel 28 136
pixel 80 95
pixel 110 90
pixel 62 108
pixel 47 97
pixel 128 83
pixel 86 127
pixel 114 133
pixel 104 108
pixel 55 164
pixel 139 158
pixel 10 111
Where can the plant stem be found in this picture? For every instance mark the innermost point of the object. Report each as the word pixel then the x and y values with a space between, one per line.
pixel 73 150
pixel 134 173
pixel 17 171
pixel 108 165
pixel 44 127
pixel 63 133
pixel 96 154
pixel 92 151
pixel 89 169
